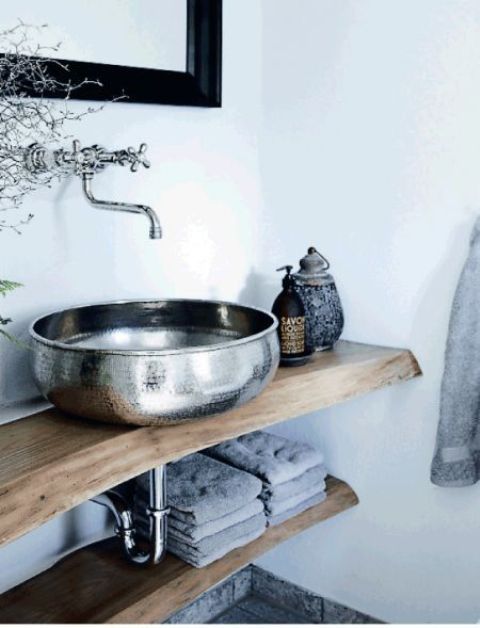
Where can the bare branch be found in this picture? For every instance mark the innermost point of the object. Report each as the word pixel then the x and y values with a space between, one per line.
pixel 26 69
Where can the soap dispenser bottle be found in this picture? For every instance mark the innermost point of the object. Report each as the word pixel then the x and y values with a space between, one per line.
pixel 290 311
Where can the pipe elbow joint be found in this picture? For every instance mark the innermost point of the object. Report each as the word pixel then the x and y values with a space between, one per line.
pixel 146 550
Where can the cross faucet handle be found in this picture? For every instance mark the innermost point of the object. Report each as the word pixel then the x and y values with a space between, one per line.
pixel 135 158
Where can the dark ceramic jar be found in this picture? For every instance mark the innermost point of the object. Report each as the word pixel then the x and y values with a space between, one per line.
pixel 323 309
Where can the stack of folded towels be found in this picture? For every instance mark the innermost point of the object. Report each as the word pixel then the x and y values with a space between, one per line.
pixel 292 473
pixel 214 508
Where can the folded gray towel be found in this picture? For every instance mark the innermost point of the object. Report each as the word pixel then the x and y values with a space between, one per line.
pixel 204 489
pixel 275 507
pixel 271 458
pixel 210 543
pixel 196 533
pixel 305 505
pixel 456 461
pixel 313 477
pixel 200 560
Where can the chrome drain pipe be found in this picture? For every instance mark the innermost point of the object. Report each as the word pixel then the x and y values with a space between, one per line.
pixel 157 512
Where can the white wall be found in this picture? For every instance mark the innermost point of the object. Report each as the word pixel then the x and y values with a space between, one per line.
pixel 349 125
pixel 370 148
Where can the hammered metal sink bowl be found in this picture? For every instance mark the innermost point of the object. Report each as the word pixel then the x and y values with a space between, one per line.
pixel 153 362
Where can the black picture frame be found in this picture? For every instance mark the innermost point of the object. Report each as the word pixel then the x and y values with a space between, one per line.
pixel 199 86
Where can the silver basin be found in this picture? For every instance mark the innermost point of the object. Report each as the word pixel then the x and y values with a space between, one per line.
pixel 153 362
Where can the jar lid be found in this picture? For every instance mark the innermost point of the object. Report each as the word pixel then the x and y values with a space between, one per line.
pixel 313 264
pixel 313 269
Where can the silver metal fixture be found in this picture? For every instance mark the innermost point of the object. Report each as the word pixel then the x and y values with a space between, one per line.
pixel 155 229
pixel 157 511
pixel 88 161
pixel 154 362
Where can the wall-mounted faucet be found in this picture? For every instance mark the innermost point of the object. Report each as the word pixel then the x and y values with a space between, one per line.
pixel 86 162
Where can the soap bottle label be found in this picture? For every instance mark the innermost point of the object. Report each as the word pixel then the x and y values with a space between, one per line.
pixel 292 334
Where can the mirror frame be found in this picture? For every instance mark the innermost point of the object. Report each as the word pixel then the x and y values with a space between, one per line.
pixel 198 86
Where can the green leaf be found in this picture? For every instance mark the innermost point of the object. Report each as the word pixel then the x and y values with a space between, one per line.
pixel 8 286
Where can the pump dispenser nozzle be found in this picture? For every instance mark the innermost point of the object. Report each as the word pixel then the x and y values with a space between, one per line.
pixel 288 280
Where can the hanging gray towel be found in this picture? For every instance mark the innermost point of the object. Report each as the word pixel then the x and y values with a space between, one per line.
pixel 271 458
pixel 456 461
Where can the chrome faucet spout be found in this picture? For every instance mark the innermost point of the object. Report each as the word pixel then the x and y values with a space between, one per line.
pixel 155 231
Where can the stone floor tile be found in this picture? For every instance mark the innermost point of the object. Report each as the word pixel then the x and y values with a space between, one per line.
pixel 284 593
pixel 242 583
pixel 334 613
pixel 269 613
pixel 236 615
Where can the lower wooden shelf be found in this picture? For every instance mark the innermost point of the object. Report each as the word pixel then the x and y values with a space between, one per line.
pixel 96 585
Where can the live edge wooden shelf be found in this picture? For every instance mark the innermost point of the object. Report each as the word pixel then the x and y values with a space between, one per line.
pixel 51 462
pixel 97 585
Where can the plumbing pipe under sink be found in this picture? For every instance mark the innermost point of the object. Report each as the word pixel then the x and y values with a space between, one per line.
pixel 157 511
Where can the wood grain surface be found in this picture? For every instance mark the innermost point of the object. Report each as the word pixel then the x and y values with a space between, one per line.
pixel 51 461
pixel 97 585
